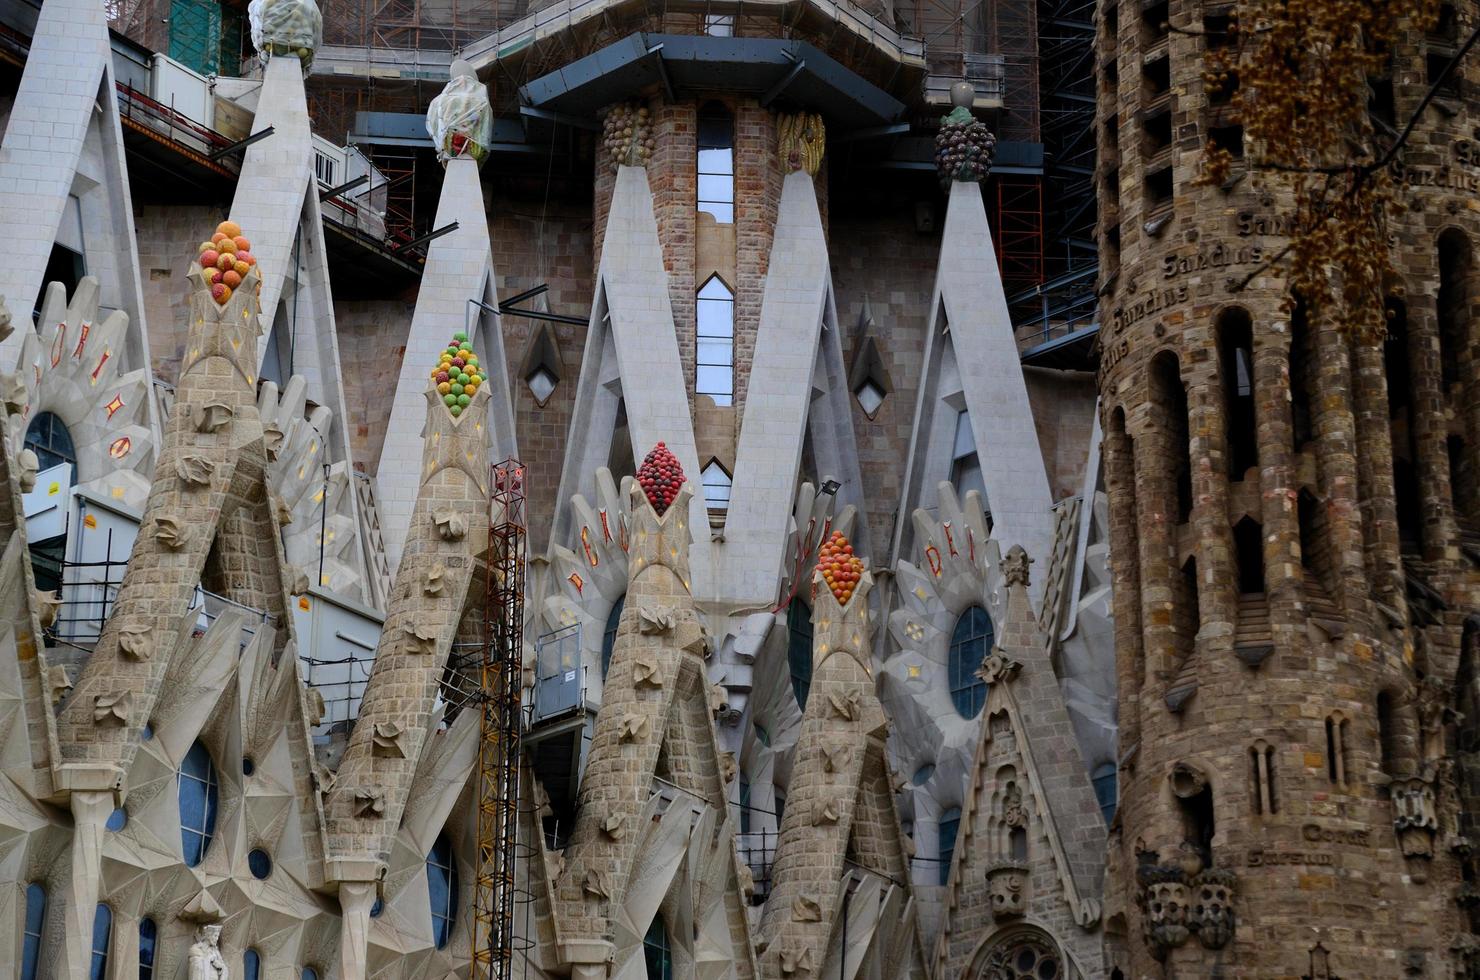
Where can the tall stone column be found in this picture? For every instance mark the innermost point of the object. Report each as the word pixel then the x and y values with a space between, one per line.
pixel 90 810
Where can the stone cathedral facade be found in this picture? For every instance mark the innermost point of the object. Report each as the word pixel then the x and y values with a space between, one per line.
pixel 858 642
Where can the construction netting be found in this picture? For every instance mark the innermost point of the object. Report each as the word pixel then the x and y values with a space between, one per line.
pixel 286 27
pixel 460 120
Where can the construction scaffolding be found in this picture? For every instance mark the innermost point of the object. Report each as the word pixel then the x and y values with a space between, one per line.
pixel 496 893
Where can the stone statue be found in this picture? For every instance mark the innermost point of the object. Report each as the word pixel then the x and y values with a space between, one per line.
pixel 206 962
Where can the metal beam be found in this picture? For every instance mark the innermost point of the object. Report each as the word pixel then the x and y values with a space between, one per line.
pixel 560 118
pixel 437 233
pixel 785 80
pixel 334 192
pixel 256 137
pixel 872 132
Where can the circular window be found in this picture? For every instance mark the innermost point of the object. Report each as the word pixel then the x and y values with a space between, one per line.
pixel 259 863
pixel 248 766
pixel 1023 957
pixel 923 774
pixel 117 820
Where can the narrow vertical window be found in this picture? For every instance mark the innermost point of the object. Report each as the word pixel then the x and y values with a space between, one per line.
pixel 971 642
pixel 799 649
pixel 609 635
pixel 656 953
pixel 1104 781
pixel 717 485
pixel 252 965
pixel 716 169
pixel 714 361
pixel 102 932
pixel 35 920
pixel 148 943
pixel 948 827
pixel 1336 734
pixel 1261 766
pixel 199 792
pixel 1236 353
pixel 442 889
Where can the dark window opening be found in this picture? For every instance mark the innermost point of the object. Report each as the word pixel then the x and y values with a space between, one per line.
pixel 1197 822
pixel 1217 28
pixel 1435 62
pixel 1301 421
pixel 1248 545
pixel 1307 513
pixel 1236 359
pixel 1154 20
pixel 1382 102
pixel 1158 76
pixel 1170 400
pixel 65 266
pixel 1112 188
pixel 1387 733
pixel 1159 189
pixel 1105 790
pixel 1110 14
pixel 656 953
pixel 1400 413
pixel 1454 303
pixel 1463 485
pixel 1158 129
pixel 799 649
pixel 1187 612
pixel 1446 26
pixel 1228 138
pixel 1018 844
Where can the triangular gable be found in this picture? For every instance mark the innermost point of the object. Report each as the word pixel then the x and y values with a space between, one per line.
pixel 277 205
pixel 797 381
pixel 631 338
pixel 1030 808
pixel 459 270
pixel 971 363
pixel 62 160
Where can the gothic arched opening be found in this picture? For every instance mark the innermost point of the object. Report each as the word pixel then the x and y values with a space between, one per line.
pixel 1236 364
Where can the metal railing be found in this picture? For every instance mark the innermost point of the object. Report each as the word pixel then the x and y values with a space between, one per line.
pixel 162 120
pixel 89 595
pixel 341 683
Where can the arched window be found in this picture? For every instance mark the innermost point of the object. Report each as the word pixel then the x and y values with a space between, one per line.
pixel 716 168
pixel 971 641
pixel 948 827
pixel 799 648
pixel 1454 301
pixel 252 965
pixel 309 973
pixel 35 921
pixel 148 942
pixel 48 438
pixel 656 952
pixel 1400 413
pixel 199 795
pixel 714 357
pixel 1104 782
pixel 922 775
pixel 609 635
pixel 1248 546
pixel 442 889
pixel 716 487
pixel 1023 956
pixel 102 932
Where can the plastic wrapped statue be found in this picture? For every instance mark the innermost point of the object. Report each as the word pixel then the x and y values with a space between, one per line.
pixel 460 120
pixel 286 27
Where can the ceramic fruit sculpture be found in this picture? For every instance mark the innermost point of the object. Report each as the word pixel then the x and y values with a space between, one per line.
pixel 225 259
pixel 839 567
pixel 660 477
pixel 802 140
pixel 286 27
pixel 458 375
pixel 627 135
pixel 963 147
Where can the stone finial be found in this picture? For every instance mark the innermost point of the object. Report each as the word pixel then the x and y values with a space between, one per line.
pixel 613 826
pixel 634 728
pixel 654 620
pixel 836 756
pixel 171 532
pixel 112 709
pixel 451 524
pixel 646 671
pixel 194 470
pixel 133 640
pixel 47 605
pixel 1015 567
pixel 420 638
pixel 212 417
pixel 848 707
pixel 795 961
pixel 389 740
pixel 804 908
pixel 370 801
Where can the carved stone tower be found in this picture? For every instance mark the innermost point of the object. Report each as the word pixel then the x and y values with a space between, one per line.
pixel 1290 514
